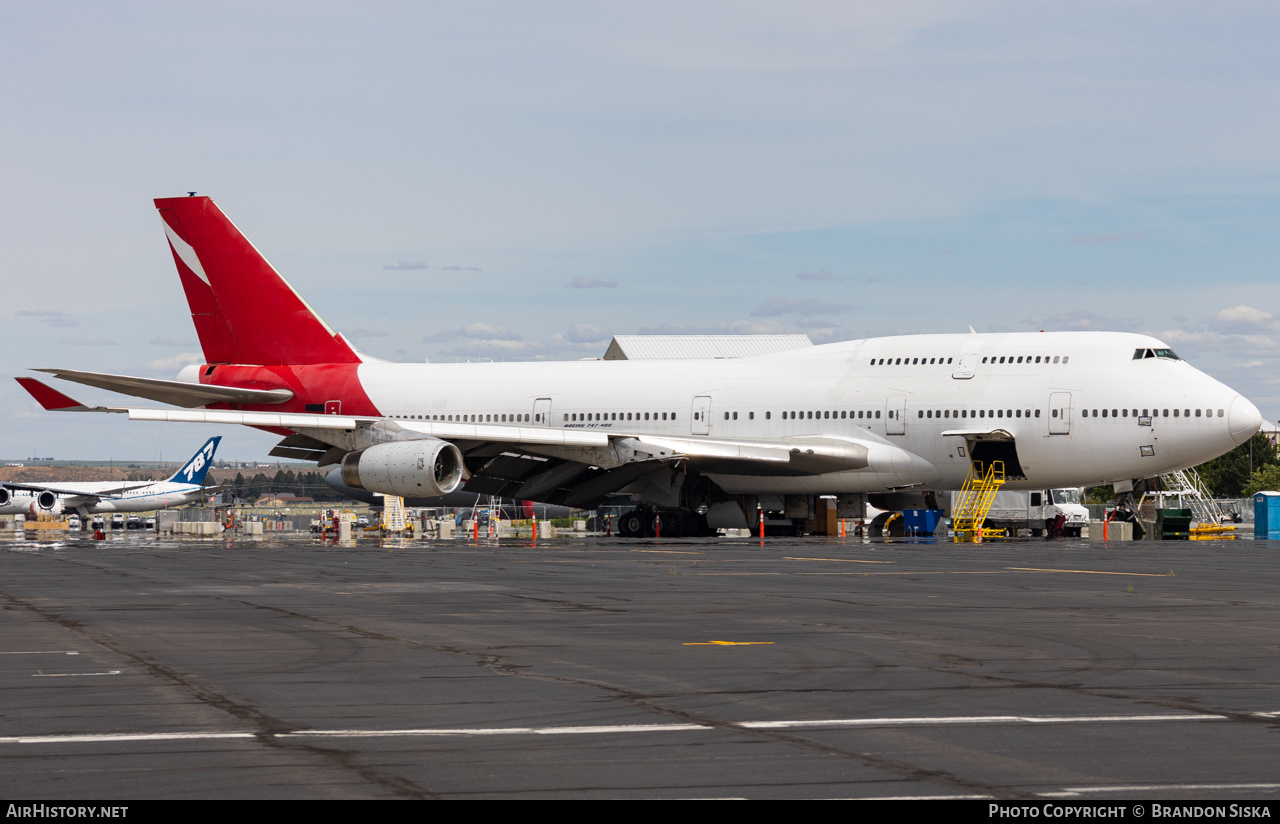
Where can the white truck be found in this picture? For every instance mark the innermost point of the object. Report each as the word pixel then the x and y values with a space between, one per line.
pixel 1037 509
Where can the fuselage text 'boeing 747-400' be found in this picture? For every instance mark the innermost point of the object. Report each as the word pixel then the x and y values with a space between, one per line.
pixel 90 497
pixel 704 441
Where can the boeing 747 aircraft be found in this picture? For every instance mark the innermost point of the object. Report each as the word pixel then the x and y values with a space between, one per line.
pixel 183 487
pixel 696 441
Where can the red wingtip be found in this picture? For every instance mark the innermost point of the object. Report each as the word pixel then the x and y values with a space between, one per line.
pixel 48 397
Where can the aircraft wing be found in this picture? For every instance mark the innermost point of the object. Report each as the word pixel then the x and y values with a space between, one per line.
pixel 178 393
pixel 574 467
pixel 65 489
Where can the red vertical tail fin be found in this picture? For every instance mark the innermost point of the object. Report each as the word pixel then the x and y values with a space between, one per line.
pixel 244 311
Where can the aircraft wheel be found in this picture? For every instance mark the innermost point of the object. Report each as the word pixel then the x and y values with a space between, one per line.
pixel 634 524
pixel 672 524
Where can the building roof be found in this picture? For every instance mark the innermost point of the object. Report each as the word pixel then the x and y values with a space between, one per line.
pixel 698 347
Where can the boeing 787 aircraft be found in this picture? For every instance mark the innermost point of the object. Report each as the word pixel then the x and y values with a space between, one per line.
pixel 183 487
pixel 697 442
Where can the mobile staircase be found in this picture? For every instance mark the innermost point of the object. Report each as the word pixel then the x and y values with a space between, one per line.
pixel 974 502
pixel 1191 493
pixel 393 517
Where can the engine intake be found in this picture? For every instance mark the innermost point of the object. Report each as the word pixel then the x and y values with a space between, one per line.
pixel 46 501
pixel 426 467
pixel 5 496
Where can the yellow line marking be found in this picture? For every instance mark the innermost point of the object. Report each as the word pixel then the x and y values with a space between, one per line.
pixel 726 643
pixel 1091 572
pixel 845 560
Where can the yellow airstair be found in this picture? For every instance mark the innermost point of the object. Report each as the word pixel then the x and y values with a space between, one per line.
pixel 393 515
pixel 974 502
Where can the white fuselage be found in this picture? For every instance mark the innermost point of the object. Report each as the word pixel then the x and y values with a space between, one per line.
pixel 140 496
pixel 1079 407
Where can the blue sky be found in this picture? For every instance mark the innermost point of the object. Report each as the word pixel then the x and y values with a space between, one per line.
pixel 458 180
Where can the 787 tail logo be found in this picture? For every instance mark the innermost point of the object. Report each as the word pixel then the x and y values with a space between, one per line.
pixel 197 463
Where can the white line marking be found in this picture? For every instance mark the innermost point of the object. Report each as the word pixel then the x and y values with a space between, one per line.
pixel 975 719
pixel 923 798
pixel 154 736
pixel 832 723
pixel 500 731
pixel 1070 791
pixel 44 652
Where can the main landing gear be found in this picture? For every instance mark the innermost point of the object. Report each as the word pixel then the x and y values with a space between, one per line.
pixel 644 522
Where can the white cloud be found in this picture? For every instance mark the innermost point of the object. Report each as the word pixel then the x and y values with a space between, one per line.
pixel 176 362
pixel 499 349
pixel 1078 321
pixel 586 333
pixel 1243 315
pixel 479 331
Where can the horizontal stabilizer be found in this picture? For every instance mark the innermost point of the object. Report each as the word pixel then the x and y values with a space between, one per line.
pixel 178 393
pixel 54 401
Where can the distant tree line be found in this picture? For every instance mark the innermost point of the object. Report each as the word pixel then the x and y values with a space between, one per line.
pixel 309 484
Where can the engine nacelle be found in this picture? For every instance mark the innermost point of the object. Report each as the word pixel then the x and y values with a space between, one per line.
pixel 5 496
pixel 44 503
pixel 426 467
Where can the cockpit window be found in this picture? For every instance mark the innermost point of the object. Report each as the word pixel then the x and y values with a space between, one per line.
pixel 1169 354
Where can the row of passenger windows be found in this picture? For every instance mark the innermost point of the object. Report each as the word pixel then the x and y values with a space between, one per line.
pixel 1154 413
pixel 991 359
pixel 476 418
pixel 826 414
pixel 617 416
pixel 806 415
pixel 1027 359
pixel 977 413
pixel 908 361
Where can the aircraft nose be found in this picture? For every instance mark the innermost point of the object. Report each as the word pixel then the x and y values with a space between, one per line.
pixel 1243 419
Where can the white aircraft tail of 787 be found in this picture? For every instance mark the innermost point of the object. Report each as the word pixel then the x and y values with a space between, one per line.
pixel 696 441
pixel 183 487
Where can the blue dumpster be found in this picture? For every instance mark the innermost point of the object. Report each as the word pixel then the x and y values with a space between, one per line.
pixel 919 522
